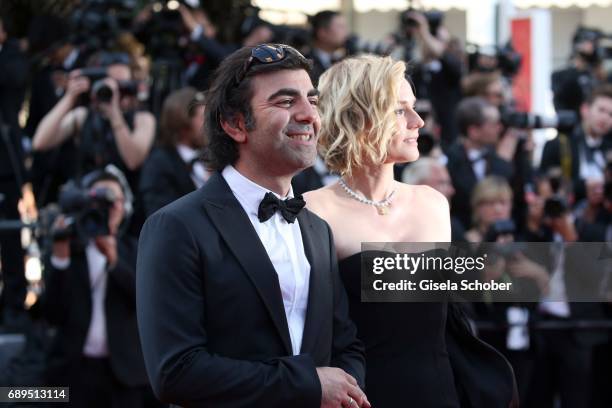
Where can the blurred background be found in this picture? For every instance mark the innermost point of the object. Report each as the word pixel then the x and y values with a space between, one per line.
pixel 101 111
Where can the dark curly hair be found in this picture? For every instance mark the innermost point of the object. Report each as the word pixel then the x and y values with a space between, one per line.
pixel 230 95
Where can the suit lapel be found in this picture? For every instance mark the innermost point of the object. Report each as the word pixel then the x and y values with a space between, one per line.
pixel 313 244
pixel 234 225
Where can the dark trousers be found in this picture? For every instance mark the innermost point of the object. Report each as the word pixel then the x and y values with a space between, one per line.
pixel 11 253
pixel 563 367
pixel 93 385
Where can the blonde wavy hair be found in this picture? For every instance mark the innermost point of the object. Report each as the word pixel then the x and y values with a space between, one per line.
pixel 357 103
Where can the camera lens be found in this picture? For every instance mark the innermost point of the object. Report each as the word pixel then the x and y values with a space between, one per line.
pixel 102 91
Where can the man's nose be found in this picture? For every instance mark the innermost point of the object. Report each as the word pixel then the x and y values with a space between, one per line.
pixel 306 112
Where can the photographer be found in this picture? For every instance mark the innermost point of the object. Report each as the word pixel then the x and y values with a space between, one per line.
pixel 440 70
pixel 572 85
pixel 109 129
pixel 329 35
pixel 175 167
pixel 509 262
pixel 474 155
pixel 90 297
pixel 582 153
pixel 564 349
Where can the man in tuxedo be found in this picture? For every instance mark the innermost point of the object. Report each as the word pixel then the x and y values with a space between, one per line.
pixel 474 157
pixel 329 35
pixel 238 304
pixel 582 154
pixel 174 168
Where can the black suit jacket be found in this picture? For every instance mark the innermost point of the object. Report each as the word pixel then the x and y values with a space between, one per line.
pixel 211 314
pixel 464 180
pixel 13 76
pixel 318 66
pixel 551 157
pixel 68 306
pixel 164 178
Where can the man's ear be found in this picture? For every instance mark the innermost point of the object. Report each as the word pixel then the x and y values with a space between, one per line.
pixel 584 110
pixel 472 130
pixel 235 128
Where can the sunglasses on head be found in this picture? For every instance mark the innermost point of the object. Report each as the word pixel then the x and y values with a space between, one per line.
pixel 266 54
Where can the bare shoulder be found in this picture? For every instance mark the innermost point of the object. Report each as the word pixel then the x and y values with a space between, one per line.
pixel 144 116
pixel 424 196
pixel 320 201
pixel 429 214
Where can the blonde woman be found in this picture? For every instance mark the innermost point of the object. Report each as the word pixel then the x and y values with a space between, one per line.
pixel 491 201
pixel 369 124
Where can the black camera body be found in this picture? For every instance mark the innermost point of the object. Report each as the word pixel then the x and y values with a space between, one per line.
pixel 564 120
pixel 86 212
pixel 101 90
pixel 555 207
pixel 434 19
pixel 498 228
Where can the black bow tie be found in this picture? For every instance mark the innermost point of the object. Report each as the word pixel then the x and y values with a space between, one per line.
pixel 289 208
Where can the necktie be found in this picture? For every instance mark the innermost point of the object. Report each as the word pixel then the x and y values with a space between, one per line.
pixel 289 208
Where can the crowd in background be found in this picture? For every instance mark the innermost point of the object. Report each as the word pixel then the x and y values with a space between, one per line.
pixel 102 123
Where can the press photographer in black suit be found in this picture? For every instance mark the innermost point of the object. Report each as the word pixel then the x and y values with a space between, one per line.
pixel 474 156
pixel 175 168
pixel 238 304
pixel 90 298
pixel 329 35
pixel 582 153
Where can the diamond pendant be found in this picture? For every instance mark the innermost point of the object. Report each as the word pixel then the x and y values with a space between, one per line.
pixel 382 210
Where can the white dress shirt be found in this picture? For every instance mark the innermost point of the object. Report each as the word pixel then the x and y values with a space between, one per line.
pixel 478 162
pixel 199 175
pixel 555 302
pixel 595 168
pixel 96 342
pixel 283 243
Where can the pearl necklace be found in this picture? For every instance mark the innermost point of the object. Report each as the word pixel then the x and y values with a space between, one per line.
pixel 381 206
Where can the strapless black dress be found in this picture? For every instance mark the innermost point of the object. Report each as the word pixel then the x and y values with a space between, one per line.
pixel 407 362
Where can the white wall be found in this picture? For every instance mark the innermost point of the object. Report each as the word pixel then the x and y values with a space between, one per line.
pixel 564 24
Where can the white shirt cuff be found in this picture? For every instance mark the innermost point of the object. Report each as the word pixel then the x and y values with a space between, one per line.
pixel 197 33
pixel 60 263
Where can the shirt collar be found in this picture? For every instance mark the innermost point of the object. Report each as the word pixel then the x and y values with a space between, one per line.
pixel 474 154
pixel 186 152
pixel 592 142
pixel 246 191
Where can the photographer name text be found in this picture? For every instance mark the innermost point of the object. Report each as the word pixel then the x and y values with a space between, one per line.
pixel 431 285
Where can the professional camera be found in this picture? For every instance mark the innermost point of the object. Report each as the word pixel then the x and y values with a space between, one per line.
pixel 434 19
pixel 505 59
pixel 86 212
pixel 101 90
pixel 503 249
pixel 602 44
pixel 564 120
pixel 96 23
pixel 555 207
pixel 498 228
pixel 166 30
